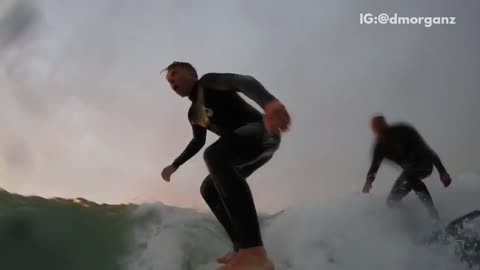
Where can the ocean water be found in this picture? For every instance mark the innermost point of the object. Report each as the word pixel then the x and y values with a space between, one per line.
pixel 351 232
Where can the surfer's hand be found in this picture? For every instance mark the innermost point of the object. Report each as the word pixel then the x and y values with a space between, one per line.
pixel 167 172
pixel 367 187
pixel 277 119
pixel 445 178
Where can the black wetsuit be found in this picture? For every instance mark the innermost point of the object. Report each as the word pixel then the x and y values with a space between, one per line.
pixel 403 145
pixel 244 146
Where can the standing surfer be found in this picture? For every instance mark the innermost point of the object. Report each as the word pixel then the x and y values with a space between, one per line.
pixel 248 139
pixel 402 144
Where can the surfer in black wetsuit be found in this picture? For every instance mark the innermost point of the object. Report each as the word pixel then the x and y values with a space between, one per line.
pixel 402 144
pixel 248 140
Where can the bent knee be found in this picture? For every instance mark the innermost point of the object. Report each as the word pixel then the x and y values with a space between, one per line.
pixel 206 188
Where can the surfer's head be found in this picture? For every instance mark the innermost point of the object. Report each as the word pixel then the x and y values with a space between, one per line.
pixel 379 126
pixel 181 76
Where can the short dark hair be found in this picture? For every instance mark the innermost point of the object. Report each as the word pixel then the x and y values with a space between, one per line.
pixel 185 65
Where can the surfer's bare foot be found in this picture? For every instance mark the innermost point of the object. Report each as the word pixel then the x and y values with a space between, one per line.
pixel 227 257
pixel 251 258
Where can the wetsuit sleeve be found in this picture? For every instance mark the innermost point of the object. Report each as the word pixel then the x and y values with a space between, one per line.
pixel 438 163
pixel 198 141
pixel 378 156
pixel 423 145
pixel 245 84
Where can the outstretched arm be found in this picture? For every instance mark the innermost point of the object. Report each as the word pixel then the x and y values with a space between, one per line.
pixel 423 144
pixel 444 176
pixel 438 163
pixel 376 161
pixel 245 84
pixel 198 141
pixel 372 171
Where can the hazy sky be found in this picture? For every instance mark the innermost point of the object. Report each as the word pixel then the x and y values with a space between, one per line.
pixel 85 112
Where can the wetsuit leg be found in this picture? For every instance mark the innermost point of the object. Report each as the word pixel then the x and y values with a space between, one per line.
pixel 214 202
pixel 411 178
pixel 212 198
pixel 424 195
pixel 400 189
pixel 229 160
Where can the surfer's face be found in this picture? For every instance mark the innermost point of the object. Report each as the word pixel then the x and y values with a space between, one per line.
pixel 181 80
pixel 378 126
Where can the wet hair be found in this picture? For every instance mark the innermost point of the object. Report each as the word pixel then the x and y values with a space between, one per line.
pixel 185 65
